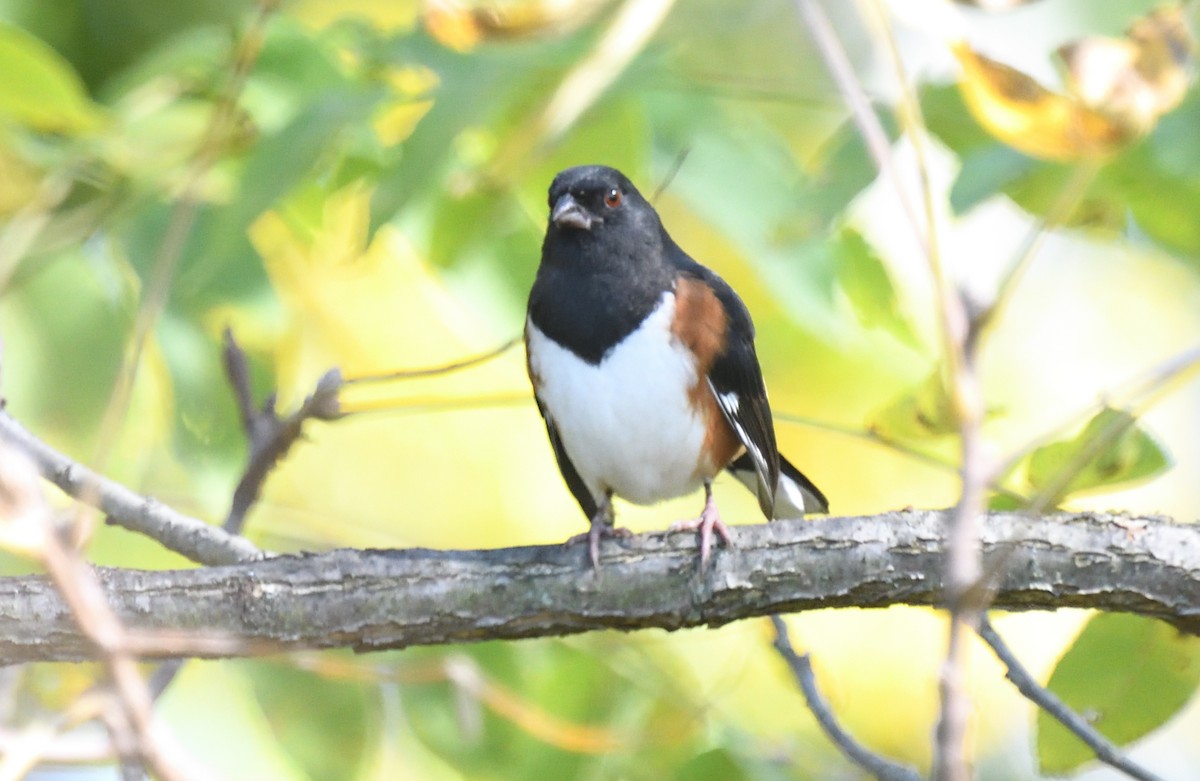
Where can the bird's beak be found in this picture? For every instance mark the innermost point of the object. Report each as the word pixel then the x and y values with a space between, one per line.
pixel 568 212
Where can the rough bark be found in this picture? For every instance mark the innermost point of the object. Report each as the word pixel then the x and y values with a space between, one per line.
pixel 370 600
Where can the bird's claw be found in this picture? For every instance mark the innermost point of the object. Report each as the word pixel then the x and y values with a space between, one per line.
pixel 708 522
pixel 593 535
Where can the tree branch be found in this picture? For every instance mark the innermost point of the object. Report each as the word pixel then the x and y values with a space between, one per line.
pixel 187 536
pixel 373 600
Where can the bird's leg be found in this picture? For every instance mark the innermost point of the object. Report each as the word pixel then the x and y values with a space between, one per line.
pixel 708 522
pixel 602 525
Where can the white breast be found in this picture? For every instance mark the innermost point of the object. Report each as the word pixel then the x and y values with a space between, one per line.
pixel 626 423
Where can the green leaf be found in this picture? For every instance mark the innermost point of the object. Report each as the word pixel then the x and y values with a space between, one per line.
pixel 218 264
pixel 323 725
pixel 565 684
pixel 841 171
pixel 923 412
pixel 716 765
pixel 474 90
pixel 1127 675
pixel 1005 503
pixel 207 426
pixel 947 117
pixel 1149 185
pixel 1111 450
pixel 986 172
pixel 1155 188
pixel 40 89
pixel 869 288
pixel 70 359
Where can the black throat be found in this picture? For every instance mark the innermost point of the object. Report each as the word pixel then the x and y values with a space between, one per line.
pixel 590 294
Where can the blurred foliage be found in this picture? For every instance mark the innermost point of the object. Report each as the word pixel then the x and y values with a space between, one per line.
pixel 1109 451
pixel 1127 675
pixel 372 196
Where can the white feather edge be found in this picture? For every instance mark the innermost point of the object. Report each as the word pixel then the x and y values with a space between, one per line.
pixel 792 500
pixel 730 403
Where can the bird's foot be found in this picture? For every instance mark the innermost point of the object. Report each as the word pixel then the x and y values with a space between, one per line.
pixel 593 535
pixel 708 522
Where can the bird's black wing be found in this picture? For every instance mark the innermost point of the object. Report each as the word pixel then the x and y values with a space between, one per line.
pixel 737 383
pixel 574 482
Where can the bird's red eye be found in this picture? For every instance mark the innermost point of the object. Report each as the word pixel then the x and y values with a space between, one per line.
pixel 613 199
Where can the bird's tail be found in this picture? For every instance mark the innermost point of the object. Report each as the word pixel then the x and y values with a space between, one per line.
pixel 795 496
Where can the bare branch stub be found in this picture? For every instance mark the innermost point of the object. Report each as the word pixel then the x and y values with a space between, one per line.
pixel 270 437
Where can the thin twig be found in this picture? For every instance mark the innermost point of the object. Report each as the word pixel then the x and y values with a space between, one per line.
pixel 901 448
pixel 953 314
pixel 1045 699
pixel 237 371
pixel 269 438
pixel 964 568
pixel 912 119
pixel 868 124
pixel 136 735
pixel 433 404
pixel 963 551
pixel 802 671
pixel 189 537
pixel 432 371
pixel 85 599
pixel 669 177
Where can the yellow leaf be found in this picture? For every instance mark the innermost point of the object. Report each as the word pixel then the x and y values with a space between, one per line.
pixel 397 118
pixel 1117 88
pixel 463 25
pixel 1025 115
pixel 18 181
pixel 453 27
pixel 385 15
pixel 40 89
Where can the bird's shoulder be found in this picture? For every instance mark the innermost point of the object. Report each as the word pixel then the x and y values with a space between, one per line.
pixel 690 274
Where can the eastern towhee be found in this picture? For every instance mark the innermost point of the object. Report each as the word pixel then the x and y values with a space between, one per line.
pixel 643 365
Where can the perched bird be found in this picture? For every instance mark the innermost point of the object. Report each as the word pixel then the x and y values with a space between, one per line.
pixel 643 365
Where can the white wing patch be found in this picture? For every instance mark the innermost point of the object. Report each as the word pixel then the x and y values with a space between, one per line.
pixel 626 424
pixel 729 402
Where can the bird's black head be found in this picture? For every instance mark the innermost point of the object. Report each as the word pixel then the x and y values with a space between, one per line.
pixel 605 261
pixel 599 203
